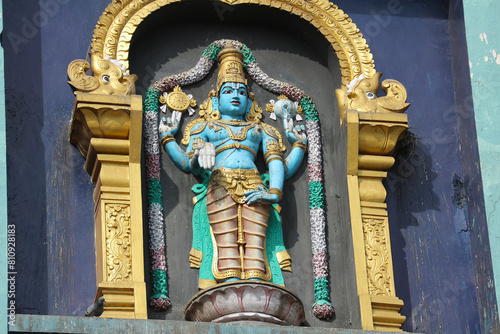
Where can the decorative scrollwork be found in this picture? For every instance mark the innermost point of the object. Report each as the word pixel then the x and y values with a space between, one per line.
pixel 377 257
pixel 118 249
pixel 121 18
pixel 79 79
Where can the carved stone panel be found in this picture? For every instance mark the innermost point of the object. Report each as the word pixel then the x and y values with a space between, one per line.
pixel 377 257
pixel 118 249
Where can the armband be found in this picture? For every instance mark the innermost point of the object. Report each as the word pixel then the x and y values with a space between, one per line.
pixel 300 145
pixel 167 139
pixel 271 153
pixel 272 159
pixel 276 191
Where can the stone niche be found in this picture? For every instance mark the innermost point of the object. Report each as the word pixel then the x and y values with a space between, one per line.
pixel 287 48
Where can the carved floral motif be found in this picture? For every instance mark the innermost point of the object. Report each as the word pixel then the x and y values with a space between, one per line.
pixel 118 249
pixel 377 256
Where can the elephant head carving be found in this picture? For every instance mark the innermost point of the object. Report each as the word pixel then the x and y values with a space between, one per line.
pixel 109 76
pixel 361 95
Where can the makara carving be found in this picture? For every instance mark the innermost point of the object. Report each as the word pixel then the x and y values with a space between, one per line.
pixel 110 77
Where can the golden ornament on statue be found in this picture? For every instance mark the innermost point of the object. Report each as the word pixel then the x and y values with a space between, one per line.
pixel 178 100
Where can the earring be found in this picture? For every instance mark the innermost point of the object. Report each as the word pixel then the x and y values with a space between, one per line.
pixel 215 114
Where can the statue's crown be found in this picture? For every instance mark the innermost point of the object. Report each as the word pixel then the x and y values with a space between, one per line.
pixel 230 66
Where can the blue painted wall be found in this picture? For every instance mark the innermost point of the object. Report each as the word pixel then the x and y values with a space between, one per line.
pixel 438 232
pixel 49 195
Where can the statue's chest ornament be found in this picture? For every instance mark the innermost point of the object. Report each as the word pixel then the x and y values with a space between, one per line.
pixel 222 137
pixel 242 132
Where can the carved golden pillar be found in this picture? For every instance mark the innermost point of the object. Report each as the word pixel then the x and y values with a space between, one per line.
pixel 107 129
pixel 373 130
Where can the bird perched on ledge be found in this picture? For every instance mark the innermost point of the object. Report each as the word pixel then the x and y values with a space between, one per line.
pixel 96 309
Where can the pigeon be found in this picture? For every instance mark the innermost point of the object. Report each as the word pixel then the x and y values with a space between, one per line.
pixel 96 309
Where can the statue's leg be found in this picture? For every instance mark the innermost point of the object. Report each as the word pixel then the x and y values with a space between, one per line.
pixel 255 218
pixel 222 213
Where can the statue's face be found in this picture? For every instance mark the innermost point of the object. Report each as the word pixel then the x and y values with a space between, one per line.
pixel 233 99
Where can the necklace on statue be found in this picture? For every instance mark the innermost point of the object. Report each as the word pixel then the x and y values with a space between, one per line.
pixel 242 132
pixel 234 122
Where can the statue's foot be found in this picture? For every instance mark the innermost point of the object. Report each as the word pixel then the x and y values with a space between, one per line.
pixel 231 279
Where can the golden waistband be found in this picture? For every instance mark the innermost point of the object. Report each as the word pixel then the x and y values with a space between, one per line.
pixel 236 181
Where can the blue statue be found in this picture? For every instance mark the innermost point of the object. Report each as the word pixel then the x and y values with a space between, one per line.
pixel 237 230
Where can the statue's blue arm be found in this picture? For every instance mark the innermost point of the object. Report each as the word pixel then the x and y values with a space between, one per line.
pixel 178 156
pixel 276 168
pixel 293 161
pixel 294 158
pixel 276 177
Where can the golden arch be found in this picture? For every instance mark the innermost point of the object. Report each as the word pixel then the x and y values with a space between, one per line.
pixel 121 18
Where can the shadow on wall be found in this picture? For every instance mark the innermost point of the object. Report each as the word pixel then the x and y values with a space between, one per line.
pixel 410 182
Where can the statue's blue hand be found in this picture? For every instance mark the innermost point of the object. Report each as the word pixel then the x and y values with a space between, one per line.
pixel 168 127
pixel 260 195
pixel 294 133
